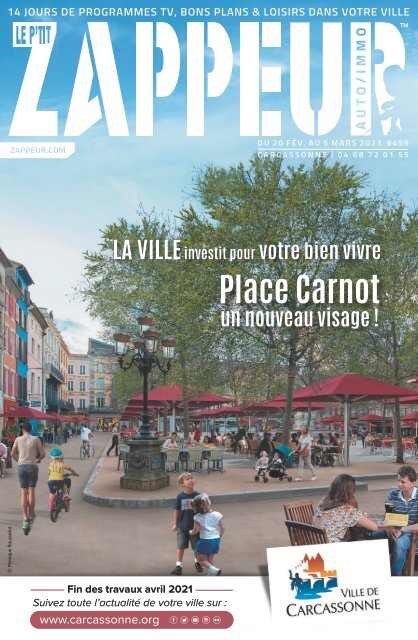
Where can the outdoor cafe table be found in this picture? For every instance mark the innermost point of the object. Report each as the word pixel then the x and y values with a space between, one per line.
pixel 184 452
pixel 359 533
pixel 325 455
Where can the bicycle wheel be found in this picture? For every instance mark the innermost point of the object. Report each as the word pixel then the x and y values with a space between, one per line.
pixel 54 509
pixel 67 505
pixel 82 452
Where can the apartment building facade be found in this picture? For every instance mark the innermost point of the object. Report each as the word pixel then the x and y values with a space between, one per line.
pixel 102 364
pixel 4 263
pixel 55 366
pixel 37 327
pixel 78 384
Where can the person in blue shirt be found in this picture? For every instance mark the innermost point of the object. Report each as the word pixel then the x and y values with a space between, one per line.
pixel 403 499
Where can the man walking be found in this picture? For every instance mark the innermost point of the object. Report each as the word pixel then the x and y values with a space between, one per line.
pixel 115 441
pixel 28 452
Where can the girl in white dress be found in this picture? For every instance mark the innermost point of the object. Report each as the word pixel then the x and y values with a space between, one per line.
pixel 209 524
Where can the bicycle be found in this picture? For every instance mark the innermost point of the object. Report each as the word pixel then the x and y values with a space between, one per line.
pixel 86 450
pixel 61 500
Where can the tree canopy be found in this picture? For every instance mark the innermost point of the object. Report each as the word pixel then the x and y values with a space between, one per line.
pixel 265 203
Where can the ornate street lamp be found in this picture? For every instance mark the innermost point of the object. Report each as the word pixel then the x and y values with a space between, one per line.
pixel 145 467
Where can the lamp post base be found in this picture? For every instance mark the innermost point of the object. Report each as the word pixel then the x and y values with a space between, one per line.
pixel 146 470
pixel 143 485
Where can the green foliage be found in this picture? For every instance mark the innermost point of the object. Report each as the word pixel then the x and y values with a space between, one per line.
pixel 264 203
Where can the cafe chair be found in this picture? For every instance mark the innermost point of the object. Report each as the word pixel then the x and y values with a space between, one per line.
pixel 195 460
pixel 339 456
pixel 215 460
pixel 409 566
pixel 389 447
pixel 409 449
pixel 253 447
pixel 172 461
pixel 378 445
pixel 301 534
pixel 123 457
pixel 302 511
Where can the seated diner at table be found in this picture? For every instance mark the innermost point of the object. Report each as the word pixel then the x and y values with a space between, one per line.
pixel 338 511
pixel 333 440
pixel 321 440
pixel 170 443
pixel 369 439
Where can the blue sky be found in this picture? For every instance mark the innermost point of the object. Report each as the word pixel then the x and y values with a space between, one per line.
pixel 52 210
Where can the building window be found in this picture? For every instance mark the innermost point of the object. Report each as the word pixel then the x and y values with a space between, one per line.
pixel 100 383
pixel 39 352
pixel 71 369
pixel 100 402
pixel 82 369
pixel 100 367
pixel 82 386
pixel 70 385
pixel 81 403
pixel 32 350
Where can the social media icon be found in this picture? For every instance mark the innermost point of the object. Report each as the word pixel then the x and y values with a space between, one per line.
pixel 206 620
pixel 184 619
pixel 173 620
pixel 195 620
pixel 217 620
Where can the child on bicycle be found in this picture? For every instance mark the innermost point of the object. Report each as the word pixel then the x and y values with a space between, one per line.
pixel 56 470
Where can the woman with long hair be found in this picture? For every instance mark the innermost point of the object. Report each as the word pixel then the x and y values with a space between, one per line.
pixel 338 511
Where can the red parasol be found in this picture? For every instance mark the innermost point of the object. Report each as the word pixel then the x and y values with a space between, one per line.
pixel 349 388
pixel 58 417
pixel 25 412
pixel 207 400
pixel 332 419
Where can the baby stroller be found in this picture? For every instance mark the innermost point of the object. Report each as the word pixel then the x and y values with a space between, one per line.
pixel 277 466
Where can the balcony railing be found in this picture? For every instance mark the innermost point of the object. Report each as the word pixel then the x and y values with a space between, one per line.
pixel 54 372
pixel 59 404
pixel 95 408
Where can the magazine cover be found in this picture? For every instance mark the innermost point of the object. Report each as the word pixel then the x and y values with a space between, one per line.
pixel 208 320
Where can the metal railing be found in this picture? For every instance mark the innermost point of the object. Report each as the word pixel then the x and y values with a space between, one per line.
pixel 53 371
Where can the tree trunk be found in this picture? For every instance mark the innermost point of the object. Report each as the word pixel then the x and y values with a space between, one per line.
pixel 308 422
pixel 397 428
pixel 186 398
pixel 291 375
pixel 269 374
pixel 396 411
pixel 384 420
pixel 165 423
